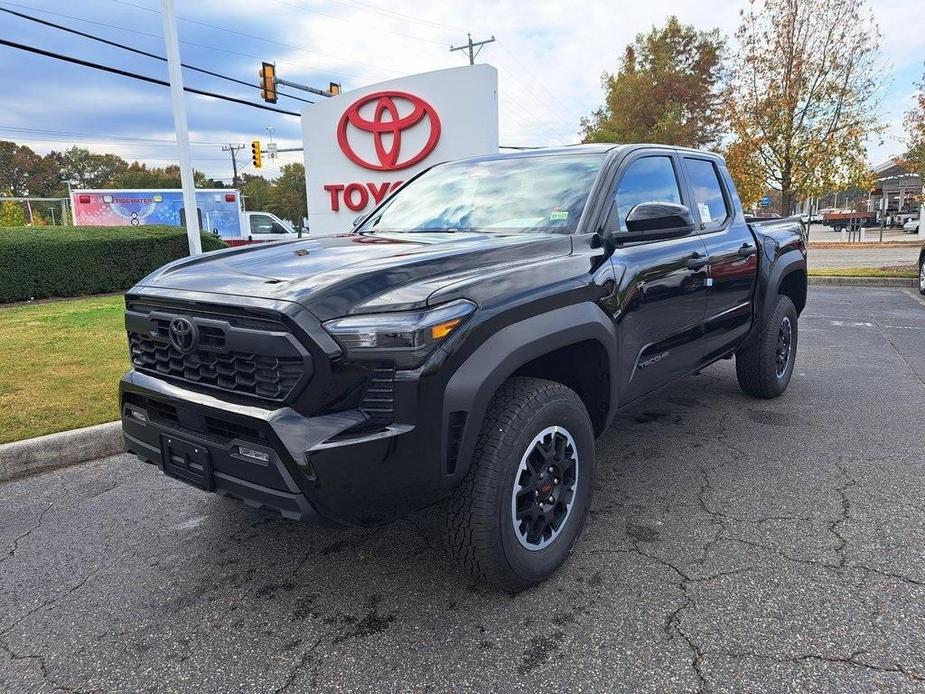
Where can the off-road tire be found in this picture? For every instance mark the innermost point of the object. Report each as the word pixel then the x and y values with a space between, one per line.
pixel 757 365
pixel 922 275
pixel 480 534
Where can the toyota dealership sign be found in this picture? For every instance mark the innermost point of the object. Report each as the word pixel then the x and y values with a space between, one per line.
pixel 363 144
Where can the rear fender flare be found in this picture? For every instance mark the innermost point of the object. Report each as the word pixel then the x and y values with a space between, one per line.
pixel 472 386
pixel 769 286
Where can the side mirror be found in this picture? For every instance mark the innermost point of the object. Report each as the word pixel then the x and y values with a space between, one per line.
pixel 649 221
pixel 660 220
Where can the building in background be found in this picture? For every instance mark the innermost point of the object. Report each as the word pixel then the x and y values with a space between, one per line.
pixel 898 195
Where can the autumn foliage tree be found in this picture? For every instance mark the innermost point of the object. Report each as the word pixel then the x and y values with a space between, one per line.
pixel 915 133
pixel 801 99
pixel 666 90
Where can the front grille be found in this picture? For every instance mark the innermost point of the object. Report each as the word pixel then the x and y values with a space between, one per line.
pixel 251 357
pixel 251 374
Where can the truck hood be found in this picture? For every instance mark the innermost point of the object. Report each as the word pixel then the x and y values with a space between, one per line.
pixel 355 273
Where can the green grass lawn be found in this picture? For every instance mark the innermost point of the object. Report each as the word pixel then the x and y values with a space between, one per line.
pixel 903 271
pixel 60 363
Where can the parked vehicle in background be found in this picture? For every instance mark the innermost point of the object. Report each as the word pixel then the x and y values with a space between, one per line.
pixel 219 211
pixel 846 219
pixel 467 342
pixel 922 270
pixel 265 226
pixel 911 227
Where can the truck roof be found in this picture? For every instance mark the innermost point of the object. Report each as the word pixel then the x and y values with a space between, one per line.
pixel 590 148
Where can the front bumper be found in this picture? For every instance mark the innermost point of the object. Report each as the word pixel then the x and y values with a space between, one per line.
pixel 316 470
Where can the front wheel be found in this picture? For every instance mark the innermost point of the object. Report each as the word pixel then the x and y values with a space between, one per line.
pixel 764 368
pixel 514 518
pixel 922 276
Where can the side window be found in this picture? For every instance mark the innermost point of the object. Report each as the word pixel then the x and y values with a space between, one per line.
pixel 261 224
pixel 648 179
pixel 707 192
pixel 279 229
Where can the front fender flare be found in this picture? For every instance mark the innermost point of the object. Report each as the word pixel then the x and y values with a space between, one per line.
pixel 475 382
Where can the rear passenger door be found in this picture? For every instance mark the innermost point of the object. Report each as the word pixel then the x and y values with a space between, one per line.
pixel 662 293
pixel 731 249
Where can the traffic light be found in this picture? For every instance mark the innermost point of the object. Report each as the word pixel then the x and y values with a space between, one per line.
pixel 267 76
pixel 256 155
pixel 334 88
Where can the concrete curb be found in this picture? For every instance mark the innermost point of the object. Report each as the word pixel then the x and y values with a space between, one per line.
pixel 21 458
pixel 863 281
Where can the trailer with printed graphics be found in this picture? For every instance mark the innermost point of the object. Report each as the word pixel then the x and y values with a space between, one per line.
pixel 218 209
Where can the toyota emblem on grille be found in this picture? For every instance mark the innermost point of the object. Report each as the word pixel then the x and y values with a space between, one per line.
pixel 183 334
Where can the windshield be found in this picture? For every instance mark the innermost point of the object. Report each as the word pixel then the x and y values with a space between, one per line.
pixel 535 194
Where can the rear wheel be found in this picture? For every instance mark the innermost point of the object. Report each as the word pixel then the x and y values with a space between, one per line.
pixel 764 368
pixel 514 518
pixel 922 275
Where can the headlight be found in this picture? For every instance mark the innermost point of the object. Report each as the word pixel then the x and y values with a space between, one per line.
pixel 407 338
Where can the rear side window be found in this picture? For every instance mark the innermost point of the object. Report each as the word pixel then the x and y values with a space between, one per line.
pixel 707 192
pixel 648 179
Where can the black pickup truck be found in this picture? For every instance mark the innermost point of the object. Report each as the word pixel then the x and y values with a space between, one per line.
pixel 464 344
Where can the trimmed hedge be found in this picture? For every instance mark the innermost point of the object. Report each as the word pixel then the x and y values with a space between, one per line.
pixel 43 262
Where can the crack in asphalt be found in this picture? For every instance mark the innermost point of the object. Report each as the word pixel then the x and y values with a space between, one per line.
pixel 43 666
pixel 303 661
pixel 841 541
pixel 15 544
pixel 720 519
pixel 849 660
pixel 882 331
pixel 825 565
pixel 673 618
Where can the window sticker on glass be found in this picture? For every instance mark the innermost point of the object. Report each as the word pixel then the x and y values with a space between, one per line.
pixel 558 216
pixel 705 215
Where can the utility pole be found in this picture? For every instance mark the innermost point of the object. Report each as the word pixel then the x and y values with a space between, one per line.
pixel 234 162
pixel 172 44
pixel 471 46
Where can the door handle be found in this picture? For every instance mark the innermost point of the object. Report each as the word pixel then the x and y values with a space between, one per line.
pixel 745 250
pixel 697 261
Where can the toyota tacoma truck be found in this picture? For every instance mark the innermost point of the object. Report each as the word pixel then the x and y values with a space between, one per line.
pixel 465 343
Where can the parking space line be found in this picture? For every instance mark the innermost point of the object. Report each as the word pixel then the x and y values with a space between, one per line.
pixel 914 295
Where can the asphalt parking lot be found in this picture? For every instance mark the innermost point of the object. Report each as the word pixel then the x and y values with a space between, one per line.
pixel 733 545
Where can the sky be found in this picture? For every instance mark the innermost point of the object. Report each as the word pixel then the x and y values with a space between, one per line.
pixel 550 56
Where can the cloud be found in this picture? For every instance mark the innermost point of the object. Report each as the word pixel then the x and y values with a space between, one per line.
pixel 550 56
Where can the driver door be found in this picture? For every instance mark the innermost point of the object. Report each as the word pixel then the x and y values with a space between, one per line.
pixel 663 291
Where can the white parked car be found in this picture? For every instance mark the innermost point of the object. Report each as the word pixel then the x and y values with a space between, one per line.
pixel 911 227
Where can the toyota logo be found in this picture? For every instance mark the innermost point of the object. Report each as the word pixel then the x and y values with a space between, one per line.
pixel 183 334
pixel 388 120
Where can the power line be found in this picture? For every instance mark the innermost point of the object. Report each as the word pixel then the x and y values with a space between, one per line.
pixel 370 7
pixel 135 75
pixel 302 8
pixel 292 46
pixel 112 138
pixel 132 49
pixel 160 38
pixel 205 46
